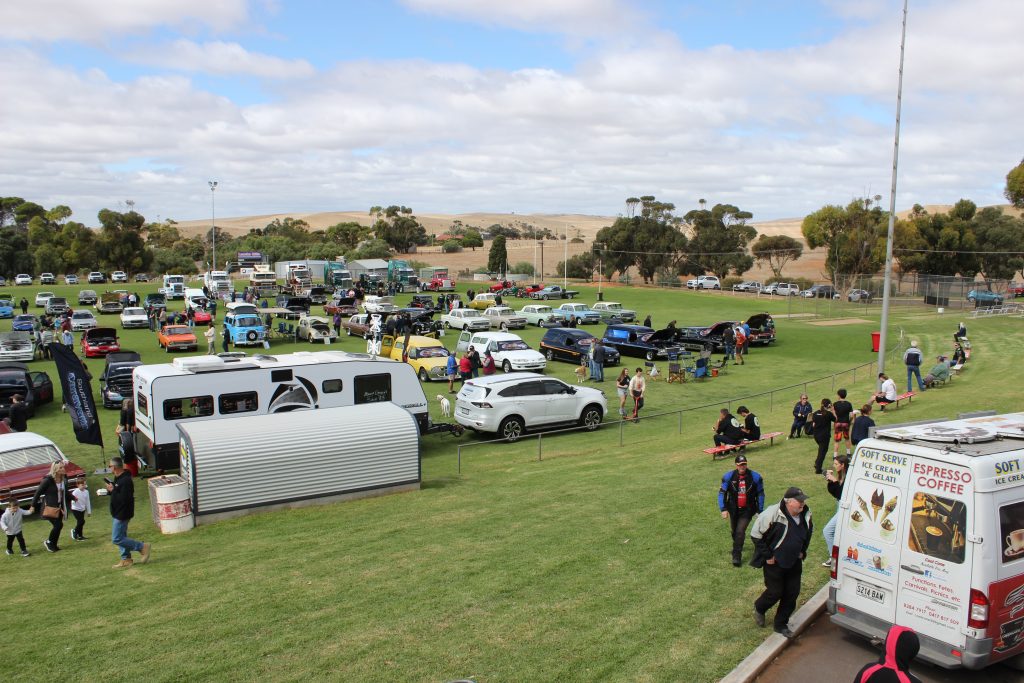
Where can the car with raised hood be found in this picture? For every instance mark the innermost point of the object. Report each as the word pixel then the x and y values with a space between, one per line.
pixel 134 316
pixel 17 346
pixel 510 404
pixel 82 320
pixel 42 298
pixel 613 311
pixel 177 338
pixel 465 319
pixel 6 306
pixel 762 332
pixel 572 345
pixel 116 380
pixel 71 279
pixel 581 312
pixel 47 279
pixel 22 279
pixel 344 306
pixel 536 314
pixel 315 329
pixel 197 302
pixel 427 356
pixel 96 278
pixel 296 305
pixel 509 351
pixel 99 341
pixel 87 297
pixel 109 303
pixel 25 459
pixel 504 318
pixel 554 292
pixel 25 322
pixel 154 301
pixel 56 305
pixel 34 385
pixel 642 341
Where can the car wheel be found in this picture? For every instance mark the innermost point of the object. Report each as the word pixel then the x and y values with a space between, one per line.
pixel 971 299
pixel 423 375
pixel 504 327
pixel 545 297
pixel 591 418
pixel 511 428
pixel 447 325
pixel 649 355
pixel 167 349
pixel 549 354
pixel 506 366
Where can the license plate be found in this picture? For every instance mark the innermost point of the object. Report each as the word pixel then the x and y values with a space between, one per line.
pixel 871 593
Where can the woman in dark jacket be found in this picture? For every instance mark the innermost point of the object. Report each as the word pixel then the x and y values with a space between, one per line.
pixel 834 482
pixel 52 491
pixel 861 424
pixel 821 426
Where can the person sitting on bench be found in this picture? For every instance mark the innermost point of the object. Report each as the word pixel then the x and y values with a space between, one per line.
pixel 938 373
pixel 887 394
pixel 959 357
pixel 727 430
pixel 751 426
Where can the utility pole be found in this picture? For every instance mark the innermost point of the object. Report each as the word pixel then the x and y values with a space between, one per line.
pixel 541 242
pixel 213 222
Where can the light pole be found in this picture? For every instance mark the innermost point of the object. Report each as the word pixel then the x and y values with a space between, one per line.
pixel 565 259
pixel 213 222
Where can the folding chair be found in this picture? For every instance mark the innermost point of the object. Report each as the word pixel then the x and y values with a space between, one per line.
pixel 280 327
pixel 652 372
pixel 675 373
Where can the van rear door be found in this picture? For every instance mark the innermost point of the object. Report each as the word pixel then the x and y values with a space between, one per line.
pixel 935 560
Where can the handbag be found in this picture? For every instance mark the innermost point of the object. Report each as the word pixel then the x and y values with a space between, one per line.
pixel 51 512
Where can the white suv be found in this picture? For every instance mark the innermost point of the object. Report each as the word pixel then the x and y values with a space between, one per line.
pixel 705 282
pixel 510 404
pixel 119 276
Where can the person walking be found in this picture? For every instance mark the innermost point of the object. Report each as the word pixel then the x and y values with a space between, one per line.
pixel 225 339
pixel 122 509
pixel 912 358
pixel 821 428
pixel 81 506
pixel 637 389
pixel 11 523
pixel 834 481
pixel 801 412
pixel 781 537
pixel 24 305
pixel 842 409
pixel 901 647
pixel 622 387
pixel 740 497
pixel 18 413
pixel 741 343
pixel 53 494
pixel 211 340
pixel 337 324
pixel 452 370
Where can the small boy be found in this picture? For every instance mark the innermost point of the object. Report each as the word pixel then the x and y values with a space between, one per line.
pixel 10 522
pixel 80 507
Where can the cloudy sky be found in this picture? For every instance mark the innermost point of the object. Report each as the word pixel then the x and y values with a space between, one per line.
pixel 778 106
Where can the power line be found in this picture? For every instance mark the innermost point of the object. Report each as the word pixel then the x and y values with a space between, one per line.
pixel 959 251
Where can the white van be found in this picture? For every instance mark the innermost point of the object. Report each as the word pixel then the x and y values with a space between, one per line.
pixel 931 536
pixel 510 352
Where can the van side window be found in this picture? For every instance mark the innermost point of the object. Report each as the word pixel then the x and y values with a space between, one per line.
pixel 245 402
pixel 938 527
pixel 142 404
pixel 371 388
pixel 1011 530
pixel 193 406
pixel 331 386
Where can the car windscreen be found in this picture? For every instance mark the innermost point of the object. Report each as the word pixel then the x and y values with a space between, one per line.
pixel 513 346
pixel 80 315
pixel 178 330
pixel 133 311
pixel 248 322
pixel 27 457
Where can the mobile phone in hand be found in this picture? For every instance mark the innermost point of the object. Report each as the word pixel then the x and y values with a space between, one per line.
pixel 108 481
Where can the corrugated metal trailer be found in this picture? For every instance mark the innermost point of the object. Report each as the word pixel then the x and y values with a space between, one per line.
pixel 266 462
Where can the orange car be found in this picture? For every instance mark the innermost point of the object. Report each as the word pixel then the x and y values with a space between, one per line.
pixel 177 338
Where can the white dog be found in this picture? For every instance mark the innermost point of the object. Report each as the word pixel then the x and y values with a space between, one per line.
pixel 446 405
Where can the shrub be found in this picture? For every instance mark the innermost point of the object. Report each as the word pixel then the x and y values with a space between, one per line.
pixel 451 246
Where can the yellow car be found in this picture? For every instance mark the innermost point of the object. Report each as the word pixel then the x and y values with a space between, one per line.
pixel 427 356
pixel 482 302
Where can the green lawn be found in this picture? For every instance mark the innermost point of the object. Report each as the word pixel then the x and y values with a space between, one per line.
pixel 599 562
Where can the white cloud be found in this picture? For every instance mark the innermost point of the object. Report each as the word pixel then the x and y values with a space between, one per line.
pixel 220 58
pixel 88 20
pixel 572 17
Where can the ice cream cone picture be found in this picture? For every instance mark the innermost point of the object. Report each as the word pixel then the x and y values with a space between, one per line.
pixel 877 502
pixel 863 506
pixel 889 507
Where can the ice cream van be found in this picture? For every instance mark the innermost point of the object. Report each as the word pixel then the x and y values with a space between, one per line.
pixel 931 536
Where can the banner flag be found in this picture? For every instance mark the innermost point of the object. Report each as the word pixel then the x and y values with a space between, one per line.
pixel 74 381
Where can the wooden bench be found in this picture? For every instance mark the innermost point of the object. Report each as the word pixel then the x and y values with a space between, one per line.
pixel 908 397
pixel 956 369
pixel 717 452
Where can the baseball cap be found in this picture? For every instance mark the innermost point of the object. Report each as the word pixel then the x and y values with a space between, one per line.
pixel 794 492
pixel 741 458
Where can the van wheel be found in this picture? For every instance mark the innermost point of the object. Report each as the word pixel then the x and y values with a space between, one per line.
pixel 549 354
pixel 506 366
pixel 591 418
pixel 511 428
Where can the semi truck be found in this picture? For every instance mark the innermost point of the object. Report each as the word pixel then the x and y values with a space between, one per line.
pixel 337 275
pixel 402 275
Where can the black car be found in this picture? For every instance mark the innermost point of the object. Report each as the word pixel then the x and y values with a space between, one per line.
pixel 35 386
pixel 318 296
pixel 642 341
pixel 154 301
pixel 296 305
pixel 762 331
pixel 819 292
pixel 87 297
pixel 573 345
pixel 116 380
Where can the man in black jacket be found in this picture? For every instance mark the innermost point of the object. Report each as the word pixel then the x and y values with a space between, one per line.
pixel 727 429
pixel 740 497
pixel 122 509
pixel 781 537
pixel 19 413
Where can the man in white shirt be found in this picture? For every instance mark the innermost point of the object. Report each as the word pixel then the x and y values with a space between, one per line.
pixel 637 389
pixel 887 394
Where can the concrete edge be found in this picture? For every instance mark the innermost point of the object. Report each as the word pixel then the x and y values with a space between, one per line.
pixel 763 655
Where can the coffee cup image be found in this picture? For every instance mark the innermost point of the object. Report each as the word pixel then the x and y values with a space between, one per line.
pixel 856 519
pixel 877 562
pixel 1015 540
pixel 888 529
pixel 934 537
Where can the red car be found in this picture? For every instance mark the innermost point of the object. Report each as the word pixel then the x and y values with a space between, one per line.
pixel 25 458
pixel 500 286
pixel 99 341
pixel 526 291
pixel 1015 289
pixel 201 316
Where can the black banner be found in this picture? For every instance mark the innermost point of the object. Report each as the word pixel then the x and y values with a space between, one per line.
pixel 74 381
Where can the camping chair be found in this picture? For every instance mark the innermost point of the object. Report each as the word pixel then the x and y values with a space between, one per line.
pixel 675 373
pixel 291 331
pixel 280 327
pixel 652 373
pixel 700 370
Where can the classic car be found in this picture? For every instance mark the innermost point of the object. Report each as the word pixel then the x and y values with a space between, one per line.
pixel 6 307
pixel 316 329
pixel 99 341
pixel 343 305
pixel 47 279
pixel 427 356
pixel 154 300
pixel 42 298
pixel 22 279
pixel 82 320
pixel 176 338
pixel 357 325
pixel 984 297
pixel 26 322
pixel 379 304
pixel 420 320
pixel 581 312
pixel 142 277
pixel 1015 289
pixel 499 287
pixel 642 341
pixel 862 295
pixel 554 292
pixel 465 319
pixel 527 291
pixel 572 345
pixel 71 279
pixel 133 316
pixel 56 305
pixel 748 286
pixel 25 458
pixel 422 301
pixel 110 302
pixel 34 385
pixel 504 318
pixel 820 292
pixel 612 311
pixel 438 284
pixel 87 297
pixel 116 380
pixel 17 346
pixel 762 331
pixel 482 302
pixel 317 296
pixel 509 351
pixel 536 314
pixel 297 306
pixel 199 305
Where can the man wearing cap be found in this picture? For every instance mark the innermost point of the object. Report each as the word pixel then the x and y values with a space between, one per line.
pixel 938 373
pixel 781 537
pixel 913 359
pixel 740 497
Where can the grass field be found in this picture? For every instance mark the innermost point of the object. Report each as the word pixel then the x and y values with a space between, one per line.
pixel 600 562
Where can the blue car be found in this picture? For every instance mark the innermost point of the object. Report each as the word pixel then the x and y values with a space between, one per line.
pixel 25 322
pixel 984 297
pixel 6 308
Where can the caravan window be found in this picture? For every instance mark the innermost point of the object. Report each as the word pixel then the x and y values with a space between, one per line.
pixel 331 386
pixel 245 402
pixel 938 527
pixel 372 388
pixel 142 404
pixel 193 406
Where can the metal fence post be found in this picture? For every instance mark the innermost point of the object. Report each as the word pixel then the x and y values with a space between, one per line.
pixel 771 401
pixel 540 449
pixel 460 459
pixel 680 422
